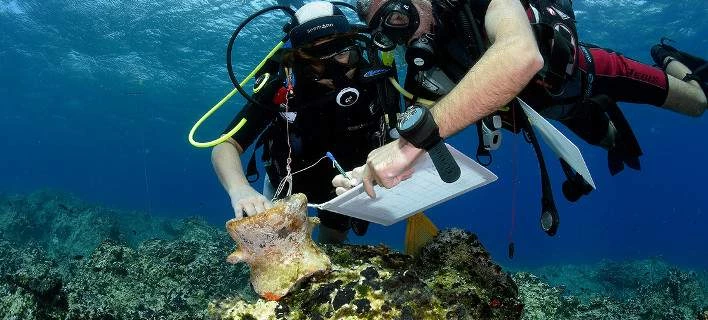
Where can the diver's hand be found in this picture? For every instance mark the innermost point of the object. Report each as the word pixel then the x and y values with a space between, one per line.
pixel 245 199
pixel 342 184
pixel 388 165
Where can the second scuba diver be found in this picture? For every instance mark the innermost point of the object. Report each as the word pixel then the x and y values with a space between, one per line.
pixel 318 103
pixel 476 56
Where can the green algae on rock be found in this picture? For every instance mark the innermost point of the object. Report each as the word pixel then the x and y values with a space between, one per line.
pixel 453 278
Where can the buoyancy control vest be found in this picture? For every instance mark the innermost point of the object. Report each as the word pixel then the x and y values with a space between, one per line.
pixel 346 121
pixel 553 23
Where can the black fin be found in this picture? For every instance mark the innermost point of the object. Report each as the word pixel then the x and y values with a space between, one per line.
pixel 633 162
pixel 614 162
pixel 697 65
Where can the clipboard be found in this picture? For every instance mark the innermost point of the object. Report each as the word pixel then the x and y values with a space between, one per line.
pixel 421 191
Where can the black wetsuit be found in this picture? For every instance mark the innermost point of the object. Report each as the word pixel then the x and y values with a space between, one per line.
pixel 318 124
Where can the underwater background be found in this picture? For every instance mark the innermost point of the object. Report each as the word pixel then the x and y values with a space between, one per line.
pixel 97 99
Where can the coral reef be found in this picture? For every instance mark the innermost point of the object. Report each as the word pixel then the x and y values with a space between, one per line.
pixel 453 278
pixel 647 289
pixel 277 246
pixel 67 227
pixel 31 286
pixel 160 279
pixel 169 278
pixel 63 259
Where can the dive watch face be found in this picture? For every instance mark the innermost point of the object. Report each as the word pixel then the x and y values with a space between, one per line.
pixel 410 118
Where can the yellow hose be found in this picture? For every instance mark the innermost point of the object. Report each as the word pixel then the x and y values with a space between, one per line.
pixel 387 57
pixel 424 102
pixel 221 103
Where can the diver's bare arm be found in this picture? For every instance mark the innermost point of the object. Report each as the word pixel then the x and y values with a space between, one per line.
pixel 499 76
pixel 227 164
pixel 225 158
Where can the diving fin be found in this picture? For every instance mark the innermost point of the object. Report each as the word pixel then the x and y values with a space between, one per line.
pixel 617 158
pixel 698 66
pixel 604 121
pixel 419 230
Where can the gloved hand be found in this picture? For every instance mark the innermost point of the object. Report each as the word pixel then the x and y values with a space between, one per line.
pixel 247 200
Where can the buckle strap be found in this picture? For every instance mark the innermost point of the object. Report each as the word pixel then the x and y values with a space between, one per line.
pixel 691 77
pixel 482 152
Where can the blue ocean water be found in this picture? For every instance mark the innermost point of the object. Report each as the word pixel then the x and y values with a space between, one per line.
pixel 98 98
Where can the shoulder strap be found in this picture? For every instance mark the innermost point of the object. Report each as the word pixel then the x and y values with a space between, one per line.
pixel 272 90
pixel 252 174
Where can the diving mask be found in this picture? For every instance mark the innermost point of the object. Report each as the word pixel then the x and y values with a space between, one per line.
pixel 336 48
pixel 336 66
pixel 395 22
pixel 328 59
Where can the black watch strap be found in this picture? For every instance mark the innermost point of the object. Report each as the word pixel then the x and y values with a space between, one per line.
pixel 444 162
pixel 418 127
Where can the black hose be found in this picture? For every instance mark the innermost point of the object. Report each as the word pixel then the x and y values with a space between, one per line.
pixel 243 24
pixel 477 36
pixel 229 48
pixel 548 204
pixel 467 31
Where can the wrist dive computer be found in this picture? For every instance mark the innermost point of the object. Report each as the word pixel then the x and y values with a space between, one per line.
pixel 418 127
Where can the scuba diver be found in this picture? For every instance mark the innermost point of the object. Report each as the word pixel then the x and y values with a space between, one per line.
pixel 475 57
pixel 317 101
